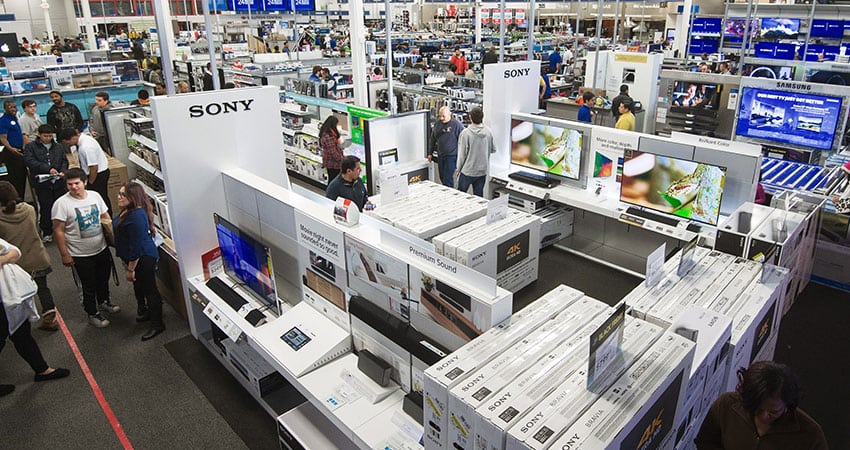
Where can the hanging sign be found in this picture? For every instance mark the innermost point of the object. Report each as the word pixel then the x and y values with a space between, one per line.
pixel 485 15
pixel 519 16
pixel 497 16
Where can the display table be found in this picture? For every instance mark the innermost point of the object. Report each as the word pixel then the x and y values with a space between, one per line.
pixel 565 108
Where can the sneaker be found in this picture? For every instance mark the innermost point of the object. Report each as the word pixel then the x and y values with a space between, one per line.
pixel 47 239
pixel 48 321
pixel 98 321
pixel 108 307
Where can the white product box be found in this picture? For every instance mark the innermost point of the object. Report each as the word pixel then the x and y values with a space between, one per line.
pixel 688 418
pixel 455 367
pixel 641 408
pixel 736 286
pixel 513 403
pixel 511 257
pixel 543 423
pixel 711 333
pixel 642 298
pixel 501 370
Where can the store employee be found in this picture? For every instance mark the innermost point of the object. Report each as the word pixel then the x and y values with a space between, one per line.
pixel 348 184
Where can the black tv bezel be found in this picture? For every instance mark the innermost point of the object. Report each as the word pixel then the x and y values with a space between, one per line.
pixel 547 123
pixel 271 302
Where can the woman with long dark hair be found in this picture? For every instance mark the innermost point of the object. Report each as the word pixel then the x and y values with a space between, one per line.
pixel 18 226
pixel 134 244
pixel 330 143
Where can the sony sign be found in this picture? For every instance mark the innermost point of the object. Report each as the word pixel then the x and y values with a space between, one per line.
pixel 516 73
pixel 216 108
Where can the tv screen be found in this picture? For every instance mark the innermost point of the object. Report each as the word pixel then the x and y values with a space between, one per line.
pixel 9 45
pixel 734 29
pixel 706 26
pixel 808 120
pixel 246 260
pixel 695 95
pixel 546 148
pixel 816 52
pixel 776 28
pixel 827 28
pixel 687 189
pixel 776 72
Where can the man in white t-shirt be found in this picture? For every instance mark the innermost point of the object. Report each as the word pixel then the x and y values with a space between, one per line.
pixel 78 234
pixel 92 160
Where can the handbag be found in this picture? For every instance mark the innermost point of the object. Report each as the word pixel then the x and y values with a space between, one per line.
pixel 18 296
pixel 108 232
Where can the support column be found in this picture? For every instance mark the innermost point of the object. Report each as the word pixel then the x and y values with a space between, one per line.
pixel 532 6
pixel 88 22
pixel 211 45
pixel 48 26
pixel 165 33
pixel 502 32
pixel 359 66
pixel 477 9
pixel 683 27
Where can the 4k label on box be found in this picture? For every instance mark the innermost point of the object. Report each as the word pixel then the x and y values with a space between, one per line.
pixel 765 329
pixel 657 422
pixel 512 251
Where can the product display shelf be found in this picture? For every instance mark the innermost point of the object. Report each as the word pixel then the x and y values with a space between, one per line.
pixel 779 175
pixel 148 167
pixel 146 141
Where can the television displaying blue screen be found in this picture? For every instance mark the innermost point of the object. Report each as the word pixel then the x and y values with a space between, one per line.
pixel 776 28
pixel 707 26
pixel 807 120
pixel 827 28
pixel 734 29
pixel 816 52
pixel 246 260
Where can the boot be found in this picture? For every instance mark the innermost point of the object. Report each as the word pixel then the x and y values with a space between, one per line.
pixel 143 314
pixel 48 321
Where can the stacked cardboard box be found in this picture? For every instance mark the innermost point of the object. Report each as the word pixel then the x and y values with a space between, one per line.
pixel 117 177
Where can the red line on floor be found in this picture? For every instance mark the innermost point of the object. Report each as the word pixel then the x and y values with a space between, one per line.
pixel 104 405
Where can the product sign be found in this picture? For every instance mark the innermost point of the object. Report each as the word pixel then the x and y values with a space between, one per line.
pixel 519 16
pixel 497 16
pixel 606 344
pixel 276 5
pixel 246 5
pixel 304 5
pixel 323 241
pixel 485 15
pixel 655 265
pixel 497 209
pixel 508 16
pixel 357 117
pixel 687 261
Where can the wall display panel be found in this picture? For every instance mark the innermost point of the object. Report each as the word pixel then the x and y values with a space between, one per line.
pixel 377 276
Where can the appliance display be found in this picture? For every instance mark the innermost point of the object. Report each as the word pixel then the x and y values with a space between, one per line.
pixel 827 28
pixel 695 95
pixel 735 28
pixel 778 28
pixel 546 148
pixel 707 26
pixel 808 120
pixel 688 189
pixel 246 260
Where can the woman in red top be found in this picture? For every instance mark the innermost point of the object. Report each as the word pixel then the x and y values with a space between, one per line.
pixel 329 142
pixel 461 66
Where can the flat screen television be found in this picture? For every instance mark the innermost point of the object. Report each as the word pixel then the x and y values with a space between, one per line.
pixel 807 120
pixel 776 72
pixel 246 260
pixel 707 26
pixel 695 95
pixel 779 28
pixel 735 28
pixel 687 189
pixel 547 148
pixel 827 28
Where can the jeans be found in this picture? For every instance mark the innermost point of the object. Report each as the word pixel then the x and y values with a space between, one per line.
pixel 477 183
pixel 147 295
pixel 45 297
pixel 94 274
pixel 25 345
pixel 447 164
pixel 47 193
pixel 16 172
pixel 100 185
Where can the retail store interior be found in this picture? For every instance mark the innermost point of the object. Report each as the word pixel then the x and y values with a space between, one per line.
pixel 666 200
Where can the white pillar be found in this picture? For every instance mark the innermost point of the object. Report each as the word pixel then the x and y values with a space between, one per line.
pixel 358 52
pixel 477 22
pixel 165 33
pixel 682 28
pixel 88 22
pixel 46 8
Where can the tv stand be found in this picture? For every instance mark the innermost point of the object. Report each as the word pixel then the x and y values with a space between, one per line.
pixel 535 179
pixel 638 212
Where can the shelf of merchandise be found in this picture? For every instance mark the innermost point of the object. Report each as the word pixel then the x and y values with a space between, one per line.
pixel 148 167
pixel 146 141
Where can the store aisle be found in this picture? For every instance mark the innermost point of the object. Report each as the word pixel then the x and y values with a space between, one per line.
pixel 155 402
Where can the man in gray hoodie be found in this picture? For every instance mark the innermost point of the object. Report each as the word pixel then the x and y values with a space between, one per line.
pixel 474 147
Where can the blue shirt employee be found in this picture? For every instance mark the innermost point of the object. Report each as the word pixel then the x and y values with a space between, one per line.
pixel 584 113
pixel 555 60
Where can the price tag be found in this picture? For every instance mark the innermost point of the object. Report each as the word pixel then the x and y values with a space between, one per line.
pixel 687 261
pixel 393 188
pixel 497 209
pixel 605 344
pixel 655 265
pixel 221 321
pixel 341 395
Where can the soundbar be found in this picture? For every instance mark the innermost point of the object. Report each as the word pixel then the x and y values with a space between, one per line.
pixel 652 216
pixel 226 293
pixel 534 179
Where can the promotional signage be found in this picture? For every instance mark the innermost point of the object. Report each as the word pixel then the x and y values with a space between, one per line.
pixel 246 5
pixel 605 344
pixel 485 15
pixel 276 5
pixel 687 261
pixel 217 5
pixel 655 265
pixel 304 5
pixel 497 16
pixel 356 119
pixel 519 16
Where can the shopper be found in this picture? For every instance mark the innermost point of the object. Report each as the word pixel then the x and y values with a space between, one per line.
pixel 316 76
pixel 17 225
pixel 474 147
pixel 490 56
pixel 761 413
pixel 62 114
pixel 348 184
pixel 25 345
pixel 79 237
pixel 626 120
pixel 555 61
pixel 154 75
pixel 330 143
pixel 444 138
pixel 93 162
pixel 544 90
pixel 30 120
pixel 615 103
pixel 459 60
pixel 12 140
pixel 134 244
pixel 208 78
pixel 377 74
pixel 585 114
pixel 46 157
pixel 183 87
pixel 143 98
pixel 96 126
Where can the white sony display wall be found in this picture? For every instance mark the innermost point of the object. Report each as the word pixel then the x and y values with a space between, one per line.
pixel 202 134
pixel 406 133
pixel 508 88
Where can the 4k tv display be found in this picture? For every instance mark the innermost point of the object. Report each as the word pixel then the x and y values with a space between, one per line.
pixel 246 260
pixel 707 26
pixel 683 188
pixel 776 28
pixel 550 149
pixel 695 95
pixel 807 120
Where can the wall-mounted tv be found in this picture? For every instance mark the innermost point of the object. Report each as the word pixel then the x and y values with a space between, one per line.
pixel 707 26
pixel 779 28
pixel 827 28
pixel 776 50
pixel 547 148
pixel 807 120
pixel 735 28
pixel 683 188
pixel 695 95
pixel 776 72
pixel 818 52
pixel 246 260
pixel 700 46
